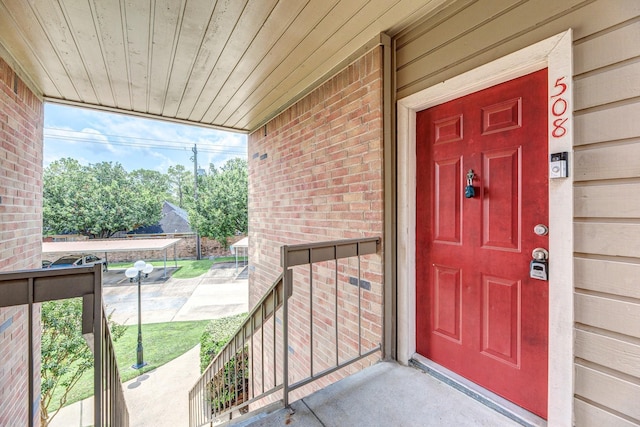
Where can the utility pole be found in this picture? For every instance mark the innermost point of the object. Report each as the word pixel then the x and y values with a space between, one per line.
pixel 195 195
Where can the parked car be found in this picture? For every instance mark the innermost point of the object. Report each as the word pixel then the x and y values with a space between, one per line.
pixel 78 260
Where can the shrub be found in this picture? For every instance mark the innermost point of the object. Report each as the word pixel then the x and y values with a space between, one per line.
pixel 216 335
pixel 229 387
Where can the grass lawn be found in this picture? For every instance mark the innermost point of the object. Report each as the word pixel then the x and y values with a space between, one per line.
pixel 188 268
pixel 162 343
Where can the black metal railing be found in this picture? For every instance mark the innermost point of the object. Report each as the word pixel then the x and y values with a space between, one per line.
pixel 31 287
pixel 254 364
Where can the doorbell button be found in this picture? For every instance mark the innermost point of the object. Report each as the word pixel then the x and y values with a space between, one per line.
pixel 558 165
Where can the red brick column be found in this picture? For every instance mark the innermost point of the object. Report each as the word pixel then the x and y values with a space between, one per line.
pixel 21 123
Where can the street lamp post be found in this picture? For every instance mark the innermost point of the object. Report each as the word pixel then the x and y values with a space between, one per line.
pixel 138 269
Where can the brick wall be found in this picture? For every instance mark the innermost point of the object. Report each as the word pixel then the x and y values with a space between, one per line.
pixel 21 121
pixel 185 249
pixel 316 174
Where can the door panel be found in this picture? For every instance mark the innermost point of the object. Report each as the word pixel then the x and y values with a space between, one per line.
pixel 501 319
pixel 502 116
pixel 478 312
pixel 446 302
pixel 501 221
pixel 448 194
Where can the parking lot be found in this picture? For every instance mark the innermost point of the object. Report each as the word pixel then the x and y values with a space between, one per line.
pixel 116 277
pixel 217 293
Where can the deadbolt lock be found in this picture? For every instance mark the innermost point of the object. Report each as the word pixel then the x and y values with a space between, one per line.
pixel 541 230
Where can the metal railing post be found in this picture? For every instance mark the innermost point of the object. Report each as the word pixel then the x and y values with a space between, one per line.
pixel 285 326
pixel 335 313
pixel 311 312
pixel 30 356
pixel 359 287
pixel 98 371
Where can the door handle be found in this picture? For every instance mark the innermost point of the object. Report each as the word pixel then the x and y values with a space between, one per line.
pixel 540 254
pixel 469 191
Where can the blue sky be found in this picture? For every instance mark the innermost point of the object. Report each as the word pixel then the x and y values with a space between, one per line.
pixel 92 136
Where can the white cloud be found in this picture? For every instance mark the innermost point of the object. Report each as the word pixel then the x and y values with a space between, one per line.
pixel 134 142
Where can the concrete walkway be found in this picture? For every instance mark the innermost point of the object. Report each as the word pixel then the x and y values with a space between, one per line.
pixel 385 395
pixel 161 397
pixel 156 398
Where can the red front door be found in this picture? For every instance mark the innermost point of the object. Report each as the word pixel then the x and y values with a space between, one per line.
pixel 479 313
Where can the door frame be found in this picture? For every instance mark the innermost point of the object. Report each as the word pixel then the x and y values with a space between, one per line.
pixel 555 54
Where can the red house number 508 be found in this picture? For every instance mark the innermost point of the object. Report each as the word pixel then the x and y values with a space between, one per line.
pixel 559 108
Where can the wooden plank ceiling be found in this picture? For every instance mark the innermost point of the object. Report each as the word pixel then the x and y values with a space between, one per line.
pixel 229 64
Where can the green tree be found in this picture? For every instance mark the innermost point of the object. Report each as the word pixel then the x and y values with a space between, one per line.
pixel 113 202
pixel 181 181
pixel 100 199
pixel 65 353
pixel 152 189
pixel 65 195
pixel 221 209
pixel 156 183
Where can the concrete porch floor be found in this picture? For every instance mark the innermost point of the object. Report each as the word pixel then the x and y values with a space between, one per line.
pixel 386 394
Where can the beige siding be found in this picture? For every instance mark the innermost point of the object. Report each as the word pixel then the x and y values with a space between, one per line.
pixel 613 161
pixel 607 228
pixel 606 388
pixel 607 276
pixel 608 238
pixel 608 313
pixel 613 351
pixel 595 89
pixel 606 167
pixel 588 415
pixel 596 52
pixel 589 123
pixel 607 200
pixel 448 45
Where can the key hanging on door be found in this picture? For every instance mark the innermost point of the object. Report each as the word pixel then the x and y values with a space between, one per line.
pixel 469 191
